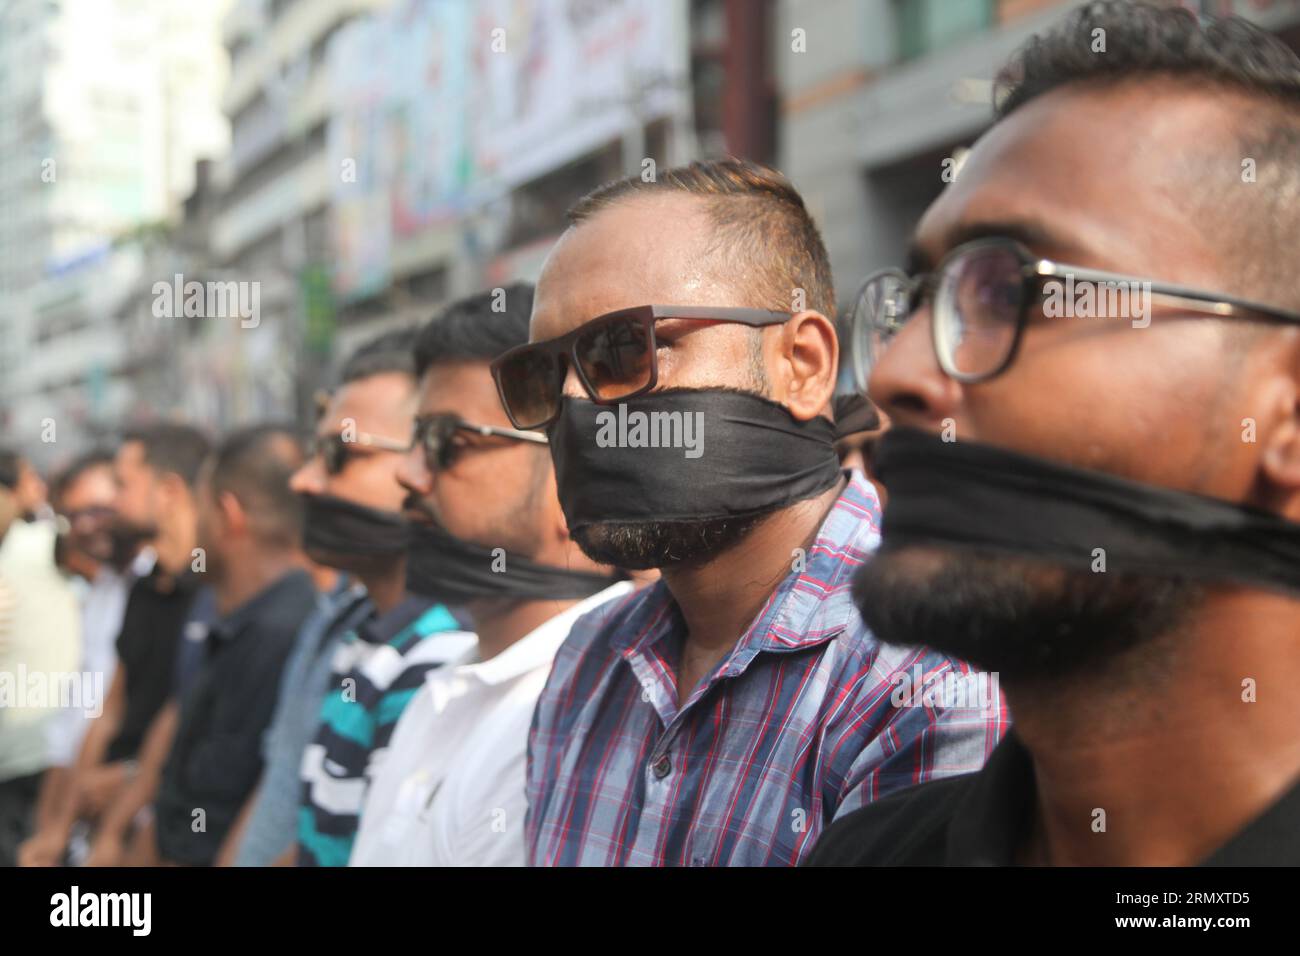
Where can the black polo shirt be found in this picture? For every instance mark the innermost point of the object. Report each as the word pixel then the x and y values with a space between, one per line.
pixel 216 757
pixel 157 608
pixel 980 819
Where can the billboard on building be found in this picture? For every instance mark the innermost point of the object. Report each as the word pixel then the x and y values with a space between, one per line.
pixel 440 106
pixel 558 78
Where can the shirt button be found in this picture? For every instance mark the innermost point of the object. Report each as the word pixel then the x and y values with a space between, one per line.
pixel 663 767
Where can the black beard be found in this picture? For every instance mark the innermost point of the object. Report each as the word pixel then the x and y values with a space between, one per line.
pixel 661 544
pixel 367 564
pixel 137 534
pixel 1024 619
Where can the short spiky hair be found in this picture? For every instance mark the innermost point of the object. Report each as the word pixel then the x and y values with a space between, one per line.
pixel 172 448
pixel 72 472
pixel 478 327
pixel 1146 43
pixel 255 463
pixel 1143 41
pixel 390 353
pixel 759 220
pixel 11 464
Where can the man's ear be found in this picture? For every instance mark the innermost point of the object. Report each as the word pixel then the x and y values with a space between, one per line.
pixel 808 361
pixel 173 490
pixel 1280 461
pixel 549 493
pixel 8 510
pixel 234 518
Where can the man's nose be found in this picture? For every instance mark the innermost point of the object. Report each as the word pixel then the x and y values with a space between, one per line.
pixel 572 386
pixel 907 383
pixel 413 472
pixel 310 478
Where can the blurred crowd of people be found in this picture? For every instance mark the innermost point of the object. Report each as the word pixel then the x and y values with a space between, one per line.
pixel 602 571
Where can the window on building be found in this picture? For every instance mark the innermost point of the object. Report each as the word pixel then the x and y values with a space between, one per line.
pixel 928 25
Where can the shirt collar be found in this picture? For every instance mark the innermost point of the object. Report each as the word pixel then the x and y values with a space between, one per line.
pixel 535 649
pixel 989 823
pixel 142 564
pixel 382 628
pixel 798 614
pixel 1271 839
pixel 234 622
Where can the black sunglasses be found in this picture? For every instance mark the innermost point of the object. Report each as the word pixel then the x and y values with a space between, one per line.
pixel 982 293
pixel 336 450
pixel 436 434
pixel 615 354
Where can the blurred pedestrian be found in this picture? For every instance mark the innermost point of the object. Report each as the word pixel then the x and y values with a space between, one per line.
pixel 40 648
pixel 155 469
pixel 250 527
pixel 489 538
pixel 352 522
pixel 106 562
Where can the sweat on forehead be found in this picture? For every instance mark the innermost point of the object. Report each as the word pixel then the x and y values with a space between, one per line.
pixel 1128 201
pixel 642 250
pixel 723 233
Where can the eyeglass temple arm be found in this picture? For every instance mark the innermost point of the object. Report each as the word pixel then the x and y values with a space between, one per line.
pixel 1225 306
pixel 377 441
pixel 488 431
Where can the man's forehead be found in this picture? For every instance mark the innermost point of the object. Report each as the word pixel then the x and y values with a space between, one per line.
pixel 130 452
pixel 464 388
pixel 95 481
pixel 1107 177
pixel 367 401
pixel 643 250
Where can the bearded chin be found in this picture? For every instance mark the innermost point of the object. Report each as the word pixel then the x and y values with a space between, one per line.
pixel 661 544
pixel 1024 619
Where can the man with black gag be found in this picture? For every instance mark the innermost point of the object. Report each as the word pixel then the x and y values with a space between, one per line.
pixel 352 522
pixel 488 538
pixel 726 714
pixel 1116 527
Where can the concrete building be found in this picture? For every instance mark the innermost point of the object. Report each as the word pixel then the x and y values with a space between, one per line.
pixel 105 105
pixel 577 95
pixel 272 227
pixel 881 92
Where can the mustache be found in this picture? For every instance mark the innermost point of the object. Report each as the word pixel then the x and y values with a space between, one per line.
pixel 414 508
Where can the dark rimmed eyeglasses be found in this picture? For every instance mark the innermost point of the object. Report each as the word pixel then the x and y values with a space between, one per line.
pixel 336 450
pixel 981 296
pixel 436 434
pixel 615 355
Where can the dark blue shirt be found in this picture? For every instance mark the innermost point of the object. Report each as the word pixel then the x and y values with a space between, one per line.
pixel 216 757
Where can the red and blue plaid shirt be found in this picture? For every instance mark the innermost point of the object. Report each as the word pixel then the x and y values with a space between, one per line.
pixel 797 725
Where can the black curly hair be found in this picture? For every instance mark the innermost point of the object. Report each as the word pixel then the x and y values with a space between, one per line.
pixel 1110 42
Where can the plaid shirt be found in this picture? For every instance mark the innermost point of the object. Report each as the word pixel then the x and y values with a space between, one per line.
pixel 798 724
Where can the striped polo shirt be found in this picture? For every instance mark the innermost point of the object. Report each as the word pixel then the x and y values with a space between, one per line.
pixel 377 669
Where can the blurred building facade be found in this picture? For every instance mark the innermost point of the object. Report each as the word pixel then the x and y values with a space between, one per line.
pixel 888 90
pixel 104 107
pixel 387 156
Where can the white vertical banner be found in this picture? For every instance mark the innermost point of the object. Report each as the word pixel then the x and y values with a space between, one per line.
pixel 557 78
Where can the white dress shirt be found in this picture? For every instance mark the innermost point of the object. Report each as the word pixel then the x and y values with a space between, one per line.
pixel 103 604
pixel 451 789
pixel 39 649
